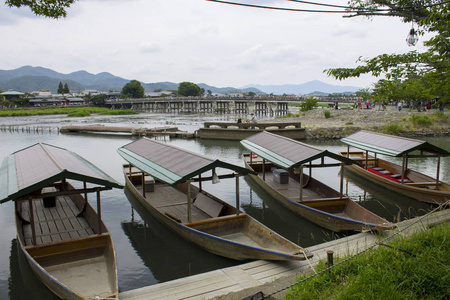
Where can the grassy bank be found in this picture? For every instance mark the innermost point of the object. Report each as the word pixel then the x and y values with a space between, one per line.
pixel 76 111
pixel 417 267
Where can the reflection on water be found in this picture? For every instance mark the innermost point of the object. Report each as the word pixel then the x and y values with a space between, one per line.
pixel 148 253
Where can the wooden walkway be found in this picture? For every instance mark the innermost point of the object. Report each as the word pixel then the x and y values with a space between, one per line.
pixel 247 278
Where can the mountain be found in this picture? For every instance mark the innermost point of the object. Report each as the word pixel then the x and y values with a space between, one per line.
pixel 28 79
pixel 304 88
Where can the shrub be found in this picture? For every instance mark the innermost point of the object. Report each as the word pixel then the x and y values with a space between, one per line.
pixel 81 113
pixel 349 123
pixel 421 120
pixel 393 128
pixel 308 104
pixel 327 114
pixel 441 116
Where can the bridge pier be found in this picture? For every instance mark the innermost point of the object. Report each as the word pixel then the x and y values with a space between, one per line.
pixel 282 108
pixel 241 107
pixel 260 108
pixel 206 106
pixel 223 107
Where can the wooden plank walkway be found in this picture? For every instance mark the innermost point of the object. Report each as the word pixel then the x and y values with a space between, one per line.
pixel 224 282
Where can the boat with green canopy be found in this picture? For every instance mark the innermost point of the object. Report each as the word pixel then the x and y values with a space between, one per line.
pixel 279 163
pixel 161 177
pixel 398 178
pixel 63 238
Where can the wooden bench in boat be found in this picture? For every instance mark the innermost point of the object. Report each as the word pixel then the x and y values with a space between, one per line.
pixel 208 205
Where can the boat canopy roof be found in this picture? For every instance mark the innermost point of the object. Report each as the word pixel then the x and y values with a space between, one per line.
pixel 390 145
pixel 41 165
pixel 171 164
pixel 285 152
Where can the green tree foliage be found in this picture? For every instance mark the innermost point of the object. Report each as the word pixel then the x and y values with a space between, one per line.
pixel 66 88
pixel 48 8
pixel 133 89
pixel 189 89
pixel 60 88
pixel 308 104
pixel 98 100
pixel 432 66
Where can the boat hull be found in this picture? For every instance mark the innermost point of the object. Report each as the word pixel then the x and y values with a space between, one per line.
pixel 427 195
pixel 218 235
pixel 74 268
pixel 332 212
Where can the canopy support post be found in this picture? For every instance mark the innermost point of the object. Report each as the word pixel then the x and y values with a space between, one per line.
pixel 301 183
pixel 403 169
pixel 437 172
pixel 348 151
pixel 85 194
pixel 99 213
pixel 200 182
pixel 342 181
pixel 189 200
pixel 367 158
pixel 33 227
pixel 143 183
pixel 237 195
pixel 264 169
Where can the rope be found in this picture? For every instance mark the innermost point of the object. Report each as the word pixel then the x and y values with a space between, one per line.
pixel 419 219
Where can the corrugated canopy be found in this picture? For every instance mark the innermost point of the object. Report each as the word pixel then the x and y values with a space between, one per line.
pixel 389 144
pixel 40 165
pixel 285 152
pixel 171 164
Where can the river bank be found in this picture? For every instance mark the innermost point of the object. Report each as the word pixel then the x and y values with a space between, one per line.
pixel 343 122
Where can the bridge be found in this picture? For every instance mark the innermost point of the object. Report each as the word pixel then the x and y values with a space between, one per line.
pixel 203 105
pixel 276 105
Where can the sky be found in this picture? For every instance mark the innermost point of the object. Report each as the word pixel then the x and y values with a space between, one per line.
pixel 199 41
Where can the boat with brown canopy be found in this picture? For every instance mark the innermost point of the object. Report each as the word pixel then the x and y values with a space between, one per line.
pixel 64 239
pixel 161 177
pixel 279 162
pixel 394 177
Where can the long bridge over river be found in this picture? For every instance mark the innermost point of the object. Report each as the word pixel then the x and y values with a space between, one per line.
pixel 203 105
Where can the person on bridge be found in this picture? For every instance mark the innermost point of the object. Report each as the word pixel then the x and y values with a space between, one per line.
pixel 252 118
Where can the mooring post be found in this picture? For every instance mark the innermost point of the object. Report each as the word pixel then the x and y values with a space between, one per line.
pixel 329 259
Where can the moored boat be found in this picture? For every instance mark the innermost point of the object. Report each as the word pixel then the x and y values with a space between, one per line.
pixel 63 238
pixel 398 178
pixel 160 176
pixel 279 163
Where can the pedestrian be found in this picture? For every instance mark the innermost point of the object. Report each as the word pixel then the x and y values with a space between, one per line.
pixel 399 105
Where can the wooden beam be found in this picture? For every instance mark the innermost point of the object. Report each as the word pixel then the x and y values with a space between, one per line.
pixel 64 193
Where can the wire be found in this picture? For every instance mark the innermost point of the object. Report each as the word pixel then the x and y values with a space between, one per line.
pixel 348 9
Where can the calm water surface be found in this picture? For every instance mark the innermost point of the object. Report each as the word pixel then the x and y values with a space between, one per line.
pixel 148 253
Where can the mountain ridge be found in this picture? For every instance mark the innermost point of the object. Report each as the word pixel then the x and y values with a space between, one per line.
pixel 29 78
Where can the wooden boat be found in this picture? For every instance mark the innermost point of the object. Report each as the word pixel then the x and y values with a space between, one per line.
pixel 160 177
pixel 279 163
pixel 394 177
pixel 63 238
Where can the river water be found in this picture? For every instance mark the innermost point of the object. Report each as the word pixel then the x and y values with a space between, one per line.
pixel 147 253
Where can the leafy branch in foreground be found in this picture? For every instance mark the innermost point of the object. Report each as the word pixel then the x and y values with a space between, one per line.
pixel 49 8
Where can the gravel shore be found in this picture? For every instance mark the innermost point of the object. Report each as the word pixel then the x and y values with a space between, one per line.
pixel 343 122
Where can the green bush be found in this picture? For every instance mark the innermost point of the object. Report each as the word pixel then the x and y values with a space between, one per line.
pixel 118 112
pixel 308 104
pixel 421 120
pixel 441 116
pixel 349 123
pixel 393 128
pixel 327 114
pixel 81 113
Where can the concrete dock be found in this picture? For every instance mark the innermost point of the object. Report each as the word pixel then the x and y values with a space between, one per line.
pixel 240 282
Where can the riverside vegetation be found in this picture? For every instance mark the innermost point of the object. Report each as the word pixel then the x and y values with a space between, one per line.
pixel 70 111
pixel 417 267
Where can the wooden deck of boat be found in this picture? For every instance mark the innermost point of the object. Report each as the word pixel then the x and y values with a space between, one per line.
pixel 290 190
pixel 170 201
pixel 54 224
pixel 255 274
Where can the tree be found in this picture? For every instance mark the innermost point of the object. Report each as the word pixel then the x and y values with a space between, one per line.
pixel 98 100
pixel 431 66
pixel 189 89
pixel 133 89
pixel 54 9
pixel 66 89
pixel 60 88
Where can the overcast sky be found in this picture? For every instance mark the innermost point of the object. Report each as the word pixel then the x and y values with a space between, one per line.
pixel 198 41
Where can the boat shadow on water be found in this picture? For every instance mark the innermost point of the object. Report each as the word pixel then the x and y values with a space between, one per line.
pixel 166 254
pixel 23 282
